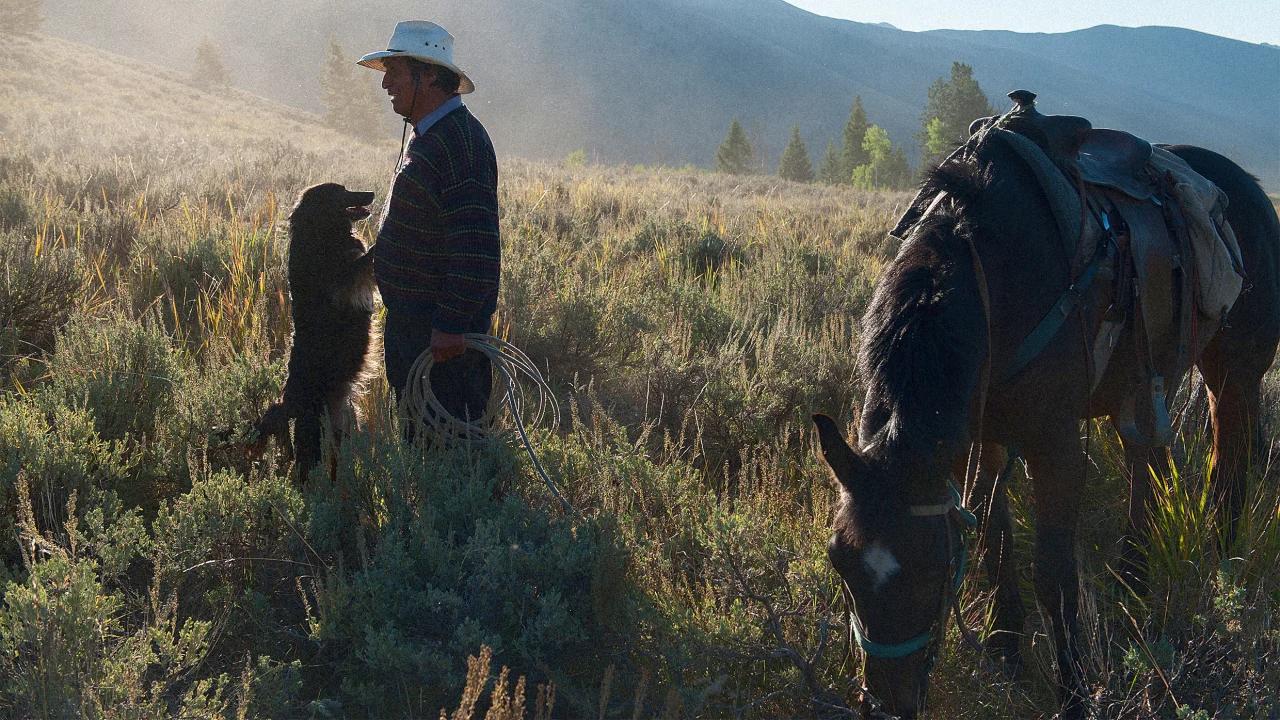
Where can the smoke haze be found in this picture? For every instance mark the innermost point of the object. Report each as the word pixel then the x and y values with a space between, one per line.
pixel 660 81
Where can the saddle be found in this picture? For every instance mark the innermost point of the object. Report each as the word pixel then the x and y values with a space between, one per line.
pixel 1138 215
pixel 1101 157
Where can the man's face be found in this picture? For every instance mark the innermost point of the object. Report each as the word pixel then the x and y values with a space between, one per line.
pixel 399 83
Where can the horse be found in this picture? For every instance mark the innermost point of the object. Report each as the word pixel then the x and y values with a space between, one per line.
pixel 975 276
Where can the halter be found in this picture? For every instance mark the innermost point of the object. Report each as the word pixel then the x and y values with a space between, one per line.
pixel 902 649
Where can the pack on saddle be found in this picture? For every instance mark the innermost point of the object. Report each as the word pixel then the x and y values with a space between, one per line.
pixel 1138 216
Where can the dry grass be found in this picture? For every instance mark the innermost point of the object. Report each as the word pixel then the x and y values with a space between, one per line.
pixel 690 322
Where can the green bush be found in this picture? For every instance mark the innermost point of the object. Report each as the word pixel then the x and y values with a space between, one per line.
pixel 66 652
pixel 39 289
pixel 15 214
pixel 446 567
pixel 215 409
pixel 123 372
pixel 56 450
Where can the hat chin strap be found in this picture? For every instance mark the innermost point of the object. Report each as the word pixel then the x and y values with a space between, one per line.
pixel 404 133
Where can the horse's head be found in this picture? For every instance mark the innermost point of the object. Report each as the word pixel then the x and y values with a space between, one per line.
pixel 898 557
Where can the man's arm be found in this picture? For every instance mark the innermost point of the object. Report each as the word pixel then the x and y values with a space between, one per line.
pixel 469 203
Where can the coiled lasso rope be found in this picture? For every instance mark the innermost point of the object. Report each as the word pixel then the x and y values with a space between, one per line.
pixel 423 409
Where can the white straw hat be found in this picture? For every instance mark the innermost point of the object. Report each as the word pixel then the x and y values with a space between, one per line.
pixel 420 40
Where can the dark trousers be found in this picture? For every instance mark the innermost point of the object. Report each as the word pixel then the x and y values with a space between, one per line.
pixel 462 384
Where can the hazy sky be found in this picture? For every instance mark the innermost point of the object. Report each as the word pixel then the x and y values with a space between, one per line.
pixel 1254 21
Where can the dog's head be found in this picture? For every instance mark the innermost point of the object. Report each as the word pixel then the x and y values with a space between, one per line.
pixel 330 205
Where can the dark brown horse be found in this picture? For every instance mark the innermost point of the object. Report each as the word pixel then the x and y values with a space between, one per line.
pixel 973 280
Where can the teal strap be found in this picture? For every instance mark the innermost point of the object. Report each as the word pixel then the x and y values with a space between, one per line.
pixel 879 650
pixel 969 518
pixel 1039 338
pixel 919 642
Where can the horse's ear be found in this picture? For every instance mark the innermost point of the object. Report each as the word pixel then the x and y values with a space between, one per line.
pixel 844 461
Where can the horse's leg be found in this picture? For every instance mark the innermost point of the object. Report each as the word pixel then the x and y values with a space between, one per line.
pixel 1140 461
pixel 1234 404
pixel 989 502
pixel 1057 464
pixel 336 413
pixel 1238 356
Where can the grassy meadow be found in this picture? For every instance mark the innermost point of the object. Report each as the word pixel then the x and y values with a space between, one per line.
pixel 689 322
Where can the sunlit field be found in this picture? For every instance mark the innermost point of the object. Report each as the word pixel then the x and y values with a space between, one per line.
pixel 689 322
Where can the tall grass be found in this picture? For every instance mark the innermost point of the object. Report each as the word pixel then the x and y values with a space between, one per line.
pixel 690 324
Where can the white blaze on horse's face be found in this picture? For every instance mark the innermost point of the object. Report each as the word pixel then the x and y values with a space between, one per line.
pixel 881 563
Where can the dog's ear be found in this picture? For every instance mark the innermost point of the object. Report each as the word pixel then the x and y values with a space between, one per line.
pixel 321 204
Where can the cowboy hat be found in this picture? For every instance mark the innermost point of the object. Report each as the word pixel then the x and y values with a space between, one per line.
pixel 420 40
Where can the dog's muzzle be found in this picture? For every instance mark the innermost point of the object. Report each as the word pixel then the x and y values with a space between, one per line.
pixel 358 205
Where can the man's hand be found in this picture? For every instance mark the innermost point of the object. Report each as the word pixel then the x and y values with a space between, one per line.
pixel 446 346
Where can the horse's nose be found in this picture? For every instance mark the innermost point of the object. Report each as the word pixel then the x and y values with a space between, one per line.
pixel 895 685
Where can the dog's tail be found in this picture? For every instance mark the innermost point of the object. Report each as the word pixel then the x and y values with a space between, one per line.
pixel 274 423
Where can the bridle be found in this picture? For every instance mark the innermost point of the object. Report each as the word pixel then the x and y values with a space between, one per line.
pixel 959 522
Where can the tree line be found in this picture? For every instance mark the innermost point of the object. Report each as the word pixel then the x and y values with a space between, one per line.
pixel 866 158
pixel 350 97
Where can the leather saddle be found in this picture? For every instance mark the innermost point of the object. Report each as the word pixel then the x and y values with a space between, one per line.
pixel 1102 157
pixel 1153 294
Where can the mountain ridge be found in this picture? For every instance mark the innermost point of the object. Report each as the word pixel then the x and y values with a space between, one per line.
pixel 659 82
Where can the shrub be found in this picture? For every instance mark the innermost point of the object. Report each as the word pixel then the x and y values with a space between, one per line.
pixel 40 288
pixel 14 212
pixel 56 450
pixel 444 568
pixel 215 410
pixel 123 372
pixel 65 650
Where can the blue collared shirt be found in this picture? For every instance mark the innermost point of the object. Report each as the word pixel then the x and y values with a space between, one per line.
pixel 449 106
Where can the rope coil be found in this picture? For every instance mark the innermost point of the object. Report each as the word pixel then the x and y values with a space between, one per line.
pixel 422 408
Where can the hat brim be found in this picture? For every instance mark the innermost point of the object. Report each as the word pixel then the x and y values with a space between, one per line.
pixel 374 61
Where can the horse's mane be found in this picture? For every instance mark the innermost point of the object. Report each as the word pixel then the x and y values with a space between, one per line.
pixel 924 334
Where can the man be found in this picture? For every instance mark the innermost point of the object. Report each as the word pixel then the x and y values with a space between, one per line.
pixel 437 258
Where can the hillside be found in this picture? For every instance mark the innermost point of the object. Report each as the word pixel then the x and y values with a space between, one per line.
pixel 660 81
pixel 153 565
pixel 119 106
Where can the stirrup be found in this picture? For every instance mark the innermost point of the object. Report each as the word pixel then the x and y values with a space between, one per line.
pixel 1163 426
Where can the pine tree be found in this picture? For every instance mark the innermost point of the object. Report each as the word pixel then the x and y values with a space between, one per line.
pixel 795 164
pixel 895 173
pixel 734 154
pixel 350 104
pixel 830 172
pixel 21 17
pixel 954 104
pixel 855 129
pixel 208 72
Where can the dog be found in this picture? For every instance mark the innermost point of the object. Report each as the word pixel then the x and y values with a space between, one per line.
pixel 331 291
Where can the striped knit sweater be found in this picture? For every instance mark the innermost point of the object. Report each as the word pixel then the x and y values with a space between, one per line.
pixel 438 251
